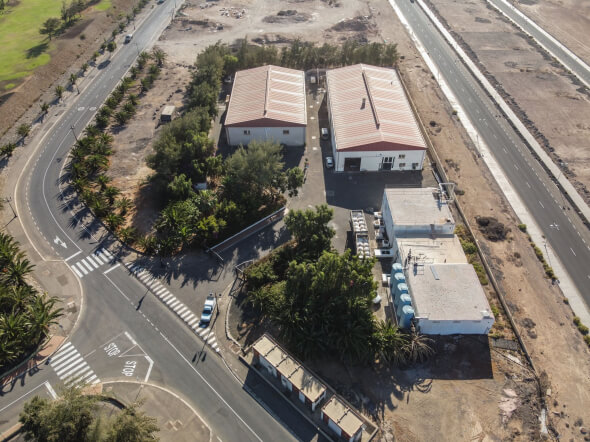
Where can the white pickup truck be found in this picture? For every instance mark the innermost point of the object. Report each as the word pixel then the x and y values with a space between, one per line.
pixel 208 309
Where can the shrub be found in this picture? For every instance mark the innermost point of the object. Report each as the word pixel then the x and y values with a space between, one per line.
pixel 583 329
pixel 577 321
pixel 539 253
pixel 522 227
pixel 495 311
pixel 587 340
pixel 469 248
pixel 481 273
pixel 566 301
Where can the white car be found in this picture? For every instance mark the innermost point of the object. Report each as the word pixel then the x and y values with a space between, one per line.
pixel 324 133
pixel 329 162
pixel 208 309
pixel 128 38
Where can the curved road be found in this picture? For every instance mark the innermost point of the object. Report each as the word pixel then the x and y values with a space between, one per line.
pixel 561 226
pixel 117 311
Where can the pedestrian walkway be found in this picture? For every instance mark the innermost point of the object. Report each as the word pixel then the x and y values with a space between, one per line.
pixel 71 368
pixel 92 262
pixel 181 310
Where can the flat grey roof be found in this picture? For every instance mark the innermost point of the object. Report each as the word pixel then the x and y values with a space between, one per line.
pixel 417 206
pixel 428 250
pixel 447 292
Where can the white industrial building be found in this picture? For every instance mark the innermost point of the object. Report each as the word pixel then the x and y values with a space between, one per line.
pixel 267 103
pixel 372 125
pixel 432 283
pixel 448 299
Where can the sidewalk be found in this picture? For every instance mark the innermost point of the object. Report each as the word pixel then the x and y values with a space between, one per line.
pixel 177 420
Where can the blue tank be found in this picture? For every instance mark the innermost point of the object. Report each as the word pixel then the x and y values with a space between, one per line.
pixel 403 300
pixel 405 317
pixel 396 268
pixel 396 278
pixel 400 289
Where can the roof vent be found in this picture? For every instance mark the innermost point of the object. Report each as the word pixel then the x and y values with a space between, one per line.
pixel 363 103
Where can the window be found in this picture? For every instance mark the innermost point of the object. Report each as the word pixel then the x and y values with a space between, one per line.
pixel 414 166
pixel 386 163
pixel 401 157
pixel 402 165
pixel 247 132
pixel 285 131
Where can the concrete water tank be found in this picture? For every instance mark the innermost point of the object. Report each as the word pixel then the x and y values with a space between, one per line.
pixel 406 316
pixel 400 289
pixel 403 300
pixel 396 268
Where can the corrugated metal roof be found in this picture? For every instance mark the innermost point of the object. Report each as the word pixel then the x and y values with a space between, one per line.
pixel 267 96
pixel 370 110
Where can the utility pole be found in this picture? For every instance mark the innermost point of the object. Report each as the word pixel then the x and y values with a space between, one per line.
pixel 74 132
pixel 8 200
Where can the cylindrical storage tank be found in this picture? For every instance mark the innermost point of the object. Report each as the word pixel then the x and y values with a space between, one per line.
pixel 400 289
pixel 403 300
pixel 406 316
pixel 396 268
pixel 396 278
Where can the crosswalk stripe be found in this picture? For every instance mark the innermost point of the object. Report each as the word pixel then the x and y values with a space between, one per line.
pixel 130 264
pixel 88 266
pixel 202 332
pixel 79 381
pixel 91 261
pixel 167 296
pixel 180 309
pixel 106 252
pixel 214 345
pixel 81 267
pixel 63 356
pixel 83 372
pixel 67 363
pixel 104 257
pixel 160 290
pixel 97 259
pixel 174 304
pixel 79 377
pixel 72 370
pixel 145 276
pixel 153 283
pixel 186 315
pixel 96 381
pixel 196 325
pixel 140 272
pixel 80 275
pixel 211 340
pixel 170 300
pixel 191 322
pixel 65 348
pixel 189 318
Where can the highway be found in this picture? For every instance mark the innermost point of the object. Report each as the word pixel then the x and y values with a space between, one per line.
pixel 117 312
pixel 561 226
pixel 559 51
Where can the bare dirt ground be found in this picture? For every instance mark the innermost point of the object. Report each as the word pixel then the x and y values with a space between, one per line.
pixel 552 104
pixel 468 391
pixel 567 20
pixel 70 53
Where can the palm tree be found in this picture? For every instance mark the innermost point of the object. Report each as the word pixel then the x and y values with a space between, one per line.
pixel 92 131
pixel 43 315
pixel 123 204
pixel 24 130
pixel 418 347
pixel 16 270
pixel 114 221
pixel 111 193
pixel 390 343
pixel 99 206
pixel 97 162
pixel 80 184
pixel 159 55
pixel 44 109
pixel 59 92
pixel 102 181
pixel 128 235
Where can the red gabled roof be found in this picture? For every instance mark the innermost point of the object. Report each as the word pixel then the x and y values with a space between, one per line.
pixel 370 110
pixel 267 96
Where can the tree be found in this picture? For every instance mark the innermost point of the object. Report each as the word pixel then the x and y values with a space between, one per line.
pixel 24 130
pixel 180 188
pixel 111 46
pixel 73 79
pixel 159 55
pixel 59 92
pixel 84 67
pixel 418 347
pixel 311 230
pixel 128 235
pixel 44 109
pixel 69 419
pixel 7 149
pixel 294 180
pixel 123 204
pixel 131 424
pixel 50 27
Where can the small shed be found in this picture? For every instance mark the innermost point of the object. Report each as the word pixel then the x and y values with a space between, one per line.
pixel 342 420
pixel 167 114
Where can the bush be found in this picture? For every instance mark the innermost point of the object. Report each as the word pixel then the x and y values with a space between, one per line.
pixel 539 253
pixel 587 340
pixel 469 248
pixel 522 227
pixel 495 311
pixel 577 321
pixel 481 273
pixel 583 329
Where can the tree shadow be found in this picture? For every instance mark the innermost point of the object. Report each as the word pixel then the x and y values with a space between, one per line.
pixel 37 50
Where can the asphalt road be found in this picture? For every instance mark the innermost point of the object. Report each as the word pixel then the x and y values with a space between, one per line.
pixel 570 60
pixel 561 226
pixel 117 313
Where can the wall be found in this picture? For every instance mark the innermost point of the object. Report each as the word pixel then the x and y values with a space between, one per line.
pixel 428 327
pixel 334 427
pixel 387 220
pixel 236 136
pixel 424 229
pixel 268 366
pixel 371 161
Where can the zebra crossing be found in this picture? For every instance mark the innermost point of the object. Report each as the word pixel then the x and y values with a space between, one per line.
pixel 181 310
pixel 71 368
pixel 92 262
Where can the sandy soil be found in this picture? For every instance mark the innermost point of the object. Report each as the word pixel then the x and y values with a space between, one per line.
pixel 469 391
pixel 67 57
pixel 567 20
pixel 531 80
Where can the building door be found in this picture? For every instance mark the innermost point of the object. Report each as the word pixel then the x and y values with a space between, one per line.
pixel 352 164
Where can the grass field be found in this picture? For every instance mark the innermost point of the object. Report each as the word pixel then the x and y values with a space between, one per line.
pixel 103 5
pixel 23 48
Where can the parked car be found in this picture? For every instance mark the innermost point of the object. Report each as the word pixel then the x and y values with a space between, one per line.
pixel 208 309
pixel 329 162
pixel 324 133
pixel 128 38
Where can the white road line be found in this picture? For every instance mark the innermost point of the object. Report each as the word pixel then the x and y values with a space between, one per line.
pixel 68 362
pixel 92 378
pixel 573 251
pixel 181 309
pixel 173 304
pixel 73 370
pixel 186 315
pixel 104 257
pixel 80 275
pixel 210 341
pixel 112 268
pixel 51 390
pixel 55 362
pixel 67 348
pixel 190 317
pixel 98 259
pixel 91 261
pixel 160 290
pixel 88 266
pixel 527 183
pixel 81 267
pixel 541 204
pixel 79 377
pixel 106 252
pixel 203 331
pixel 72 256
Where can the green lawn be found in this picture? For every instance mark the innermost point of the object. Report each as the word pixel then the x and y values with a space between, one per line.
pixel 103 5
pixel 23 48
